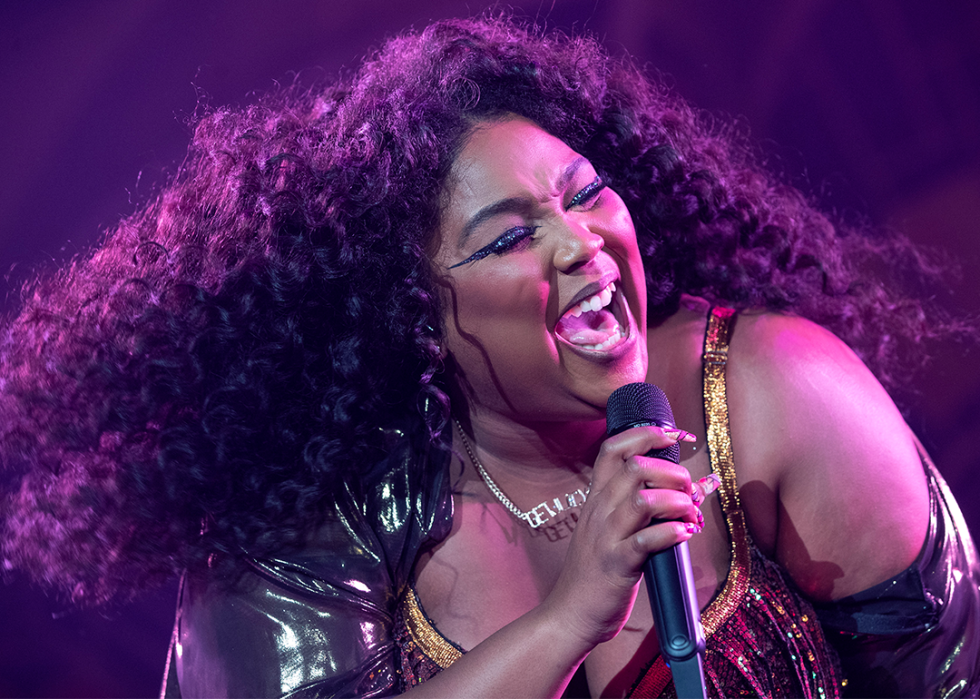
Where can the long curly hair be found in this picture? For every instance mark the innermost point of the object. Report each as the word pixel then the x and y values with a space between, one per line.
pixel 226 361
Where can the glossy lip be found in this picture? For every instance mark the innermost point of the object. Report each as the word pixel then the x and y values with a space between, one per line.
pixel 624 315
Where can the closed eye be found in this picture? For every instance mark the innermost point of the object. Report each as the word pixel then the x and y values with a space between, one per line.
pixel 589 194
pixel 510 239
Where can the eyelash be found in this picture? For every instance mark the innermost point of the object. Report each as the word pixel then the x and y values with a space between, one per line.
pixel 515 236
pixel 509 240
pixel 591 191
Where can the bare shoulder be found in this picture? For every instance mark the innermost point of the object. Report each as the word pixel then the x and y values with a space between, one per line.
pixel 830 477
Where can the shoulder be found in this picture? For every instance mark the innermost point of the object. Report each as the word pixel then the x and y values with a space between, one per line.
pixel 323 611
pixel 328 630
pixel 831 479
pixel 790 374
pixel 789 344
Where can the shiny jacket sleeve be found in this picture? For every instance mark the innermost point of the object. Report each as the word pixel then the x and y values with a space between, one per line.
pixel 317 623
pixel 917 634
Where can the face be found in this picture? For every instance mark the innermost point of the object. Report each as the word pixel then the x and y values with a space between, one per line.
pixel 541 278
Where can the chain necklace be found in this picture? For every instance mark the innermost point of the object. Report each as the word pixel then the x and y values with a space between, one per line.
pixel 538 514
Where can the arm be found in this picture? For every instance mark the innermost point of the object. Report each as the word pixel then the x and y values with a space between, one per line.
pixel 831 480
pixel 909 612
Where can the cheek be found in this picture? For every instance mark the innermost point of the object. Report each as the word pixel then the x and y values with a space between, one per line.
pixel 621 232
pixel 487 311
pixel 620 241
pixel 497 332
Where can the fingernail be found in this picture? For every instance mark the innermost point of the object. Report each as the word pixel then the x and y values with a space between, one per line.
pixel 692 528
pixel 700 521
pixel 680 436
pixel 704 487
pixel 710 483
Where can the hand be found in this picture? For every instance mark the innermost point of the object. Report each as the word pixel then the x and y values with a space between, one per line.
pixel 614 535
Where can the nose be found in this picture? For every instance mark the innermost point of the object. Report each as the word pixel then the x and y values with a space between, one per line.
pixel 577 246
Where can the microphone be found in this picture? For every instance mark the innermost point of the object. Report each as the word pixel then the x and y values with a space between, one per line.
pixel 668 573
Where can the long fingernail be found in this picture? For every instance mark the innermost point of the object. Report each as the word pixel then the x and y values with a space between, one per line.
pixel 710 483
pixel 704 487
pixel 681 436
pixel 692 528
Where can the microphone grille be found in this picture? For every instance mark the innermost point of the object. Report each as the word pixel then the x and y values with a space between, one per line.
pixel 637 404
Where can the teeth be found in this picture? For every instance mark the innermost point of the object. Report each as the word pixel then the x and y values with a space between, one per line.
pixel 605 296
pixel 616 336
pixel 596 302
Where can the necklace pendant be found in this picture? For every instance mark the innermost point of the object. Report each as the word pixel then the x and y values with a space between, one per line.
pixel 533 519
pixel 583 494
pixel 537 515
pixel 541 513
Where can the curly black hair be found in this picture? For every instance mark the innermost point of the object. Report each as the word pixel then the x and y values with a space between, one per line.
pixel 208 378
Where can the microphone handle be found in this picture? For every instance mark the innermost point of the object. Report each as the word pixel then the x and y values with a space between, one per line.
pixel 670 584
pixel 673 599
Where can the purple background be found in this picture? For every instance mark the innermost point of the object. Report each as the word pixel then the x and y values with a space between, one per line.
pixel 873 105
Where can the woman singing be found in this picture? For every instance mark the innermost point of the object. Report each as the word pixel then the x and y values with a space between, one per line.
pixel 347 375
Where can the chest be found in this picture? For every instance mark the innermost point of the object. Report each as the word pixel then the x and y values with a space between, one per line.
pixel 492 569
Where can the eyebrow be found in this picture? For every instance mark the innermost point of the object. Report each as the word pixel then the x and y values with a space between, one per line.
pixel 516 205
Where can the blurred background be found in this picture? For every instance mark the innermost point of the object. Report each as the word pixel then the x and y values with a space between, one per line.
pixel 873 106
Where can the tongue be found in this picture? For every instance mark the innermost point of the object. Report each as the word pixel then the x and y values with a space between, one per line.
pixel 590 328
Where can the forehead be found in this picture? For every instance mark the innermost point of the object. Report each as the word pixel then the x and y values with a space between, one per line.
pixel 510 157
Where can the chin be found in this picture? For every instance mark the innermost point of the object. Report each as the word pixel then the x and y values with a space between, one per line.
pixel 595 387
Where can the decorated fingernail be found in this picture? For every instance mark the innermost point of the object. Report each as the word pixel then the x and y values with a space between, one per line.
pixel 700 521
pixel 692 528
pixel 681 436
pixel 710 483
pixel 704 487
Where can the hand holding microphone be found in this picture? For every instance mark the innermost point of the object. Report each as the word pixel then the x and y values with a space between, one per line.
pixel 668 573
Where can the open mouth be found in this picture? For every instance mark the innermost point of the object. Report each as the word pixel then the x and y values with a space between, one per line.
pixel 593 324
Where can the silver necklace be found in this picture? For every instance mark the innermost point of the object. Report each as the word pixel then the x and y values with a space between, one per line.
pixel 538 514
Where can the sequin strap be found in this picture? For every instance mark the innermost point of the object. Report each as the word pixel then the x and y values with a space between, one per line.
pixel 715 359
pixel 425 635
pixel 720 322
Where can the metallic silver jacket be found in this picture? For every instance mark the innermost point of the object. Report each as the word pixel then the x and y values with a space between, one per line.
pixel 317 623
